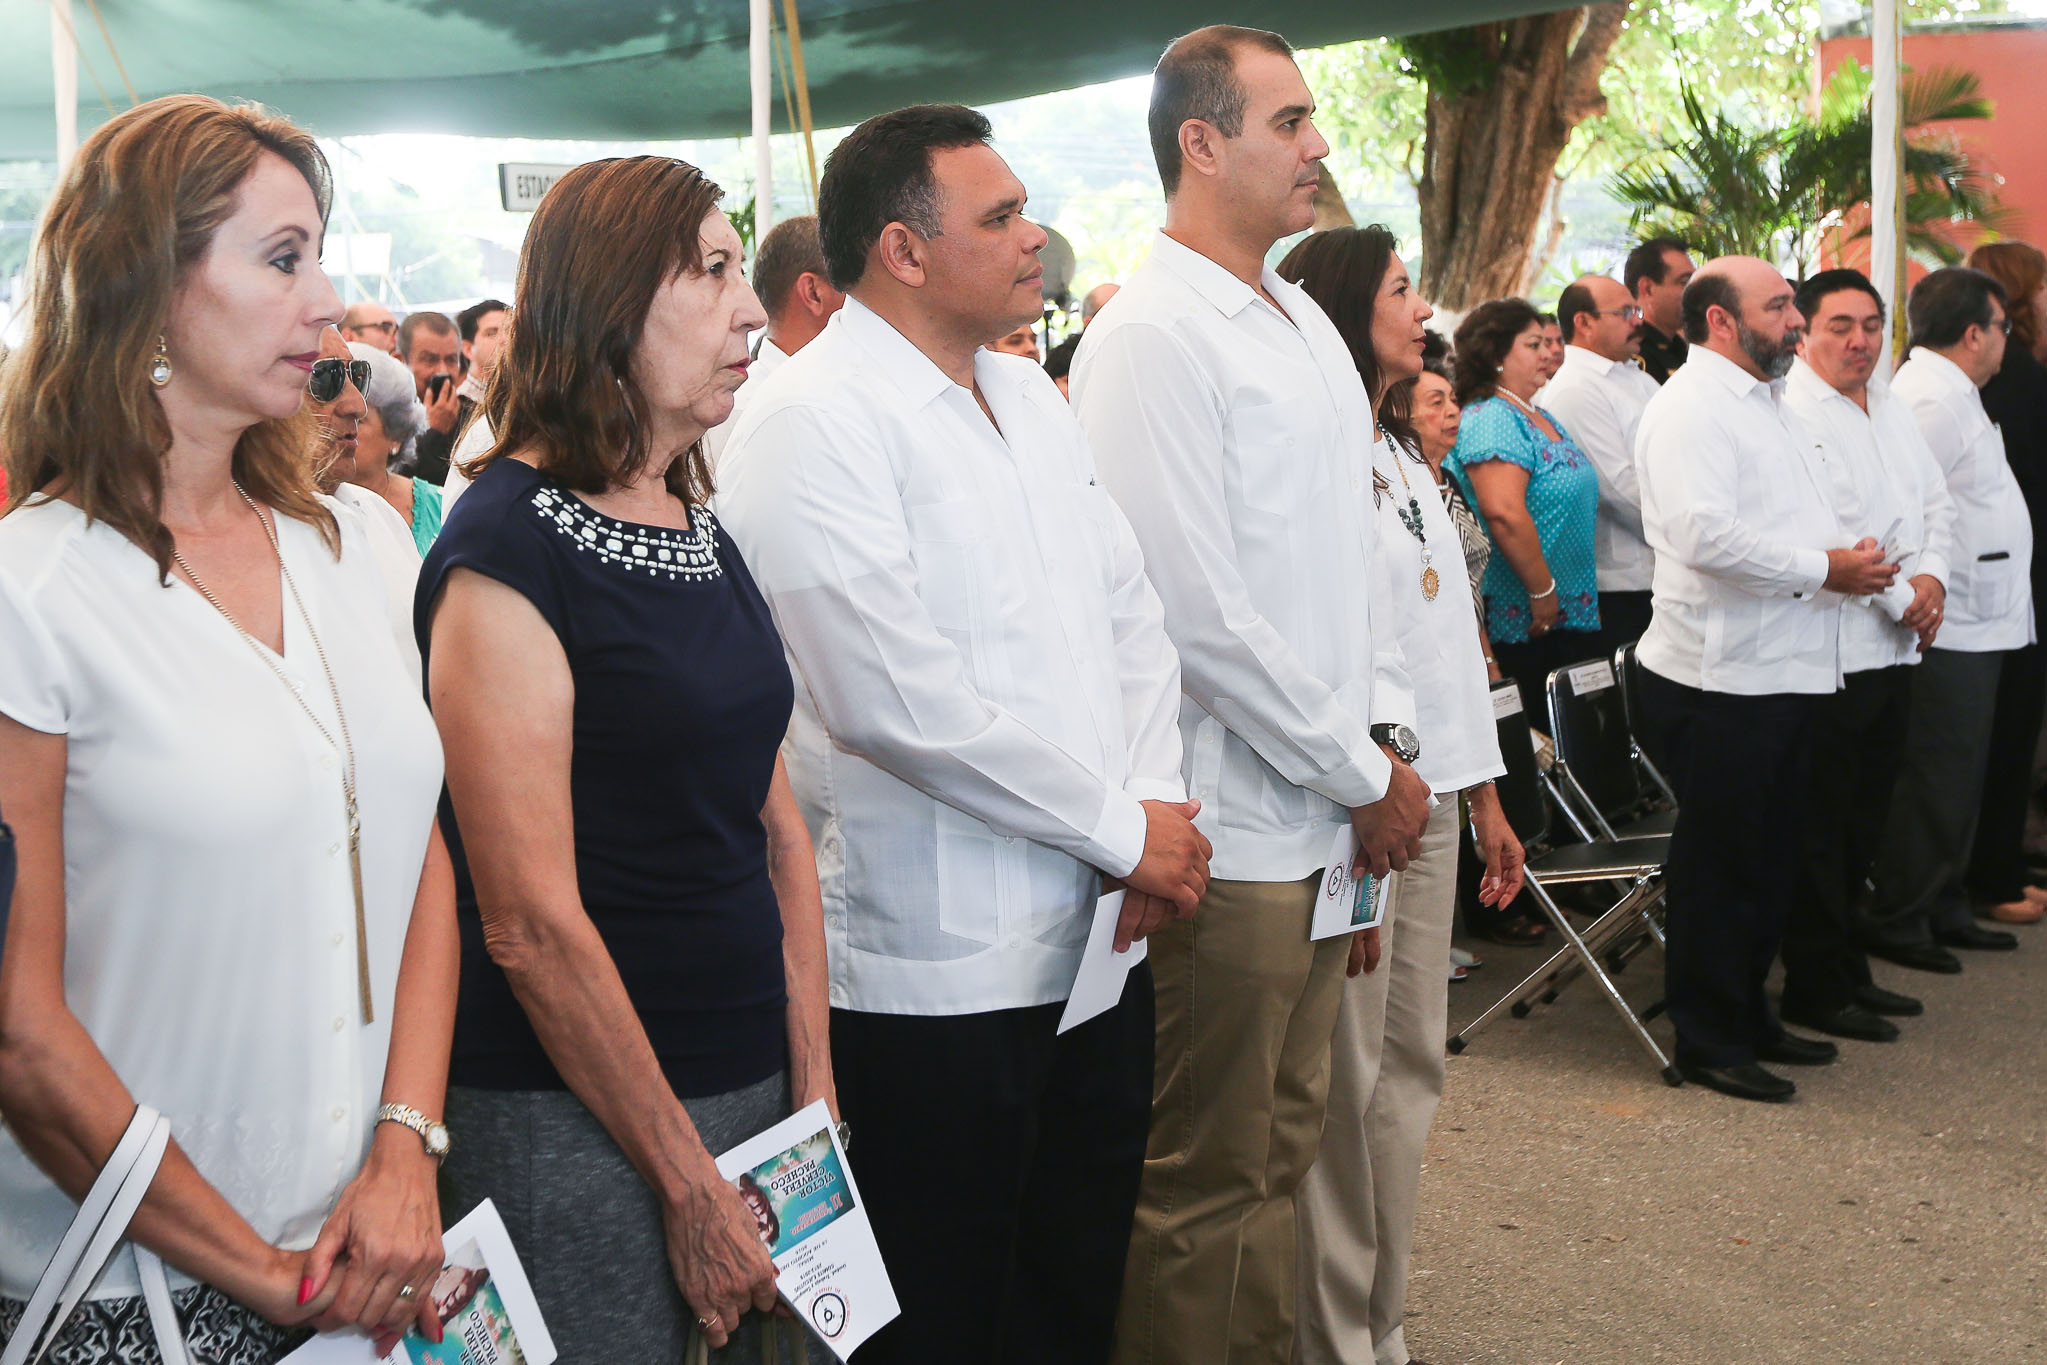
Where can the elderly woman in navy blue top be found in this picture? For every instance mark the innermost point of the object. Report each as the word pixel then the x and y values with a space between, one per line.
pixel 643 973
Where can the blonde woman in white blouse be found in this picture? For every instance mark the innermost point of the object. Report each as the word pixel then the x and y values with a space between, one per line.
pixel 200 695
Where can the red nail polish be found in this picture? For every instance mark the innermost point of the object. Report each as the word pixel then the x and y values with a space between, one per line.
pixel 305 1290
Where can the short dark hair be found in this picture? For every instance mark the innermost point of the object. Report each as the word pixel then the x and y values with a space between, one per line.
pixel 1575 299
pixel 1706 291
pixel 1059 360
pixel 1196 78
pixel 1435 352
pixel 880 173
pixel 425 320
pixel 1483 340
pixel 1813 291
pixel 1947 303
pixel 1651 261
pixel 470 318
pixel 788 253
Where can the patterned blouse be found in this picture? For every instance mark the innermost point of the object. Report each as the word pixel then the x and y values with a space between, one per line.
pixel 1563 498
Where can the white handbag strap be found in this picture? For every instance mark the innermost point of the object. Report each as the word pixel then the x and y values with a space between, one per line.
pixel 90 1241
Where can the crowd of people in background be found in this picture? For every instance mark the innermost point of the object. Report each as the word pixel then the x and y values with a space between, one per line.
pixel 520 755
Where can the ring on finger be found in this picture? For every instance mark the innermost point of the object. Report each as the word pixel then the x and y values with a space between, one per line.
pixel 407 1292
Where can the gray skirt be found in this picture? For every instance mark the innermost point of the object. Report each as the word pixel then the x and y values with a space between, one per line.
pixel 587 1228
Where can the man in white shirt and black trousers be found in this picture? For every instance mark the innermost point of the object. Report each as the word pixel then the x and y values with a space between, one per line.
pixel 1750 573
pixel 1920 907
pixel 985 735
pixel 1884 483
pixel 1230 422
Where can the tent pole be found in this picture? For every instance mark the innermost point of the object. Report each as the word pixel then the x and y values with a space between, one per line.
pixel 64 80
pixel 1886 202
pixel 761 55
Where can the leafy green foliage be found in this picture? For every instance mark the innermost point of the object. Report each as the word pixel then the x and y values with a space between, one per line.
pixel 1776 190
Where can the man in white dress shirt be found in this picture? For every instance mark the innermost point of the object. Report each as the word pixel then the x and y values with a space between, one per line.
pixel 985 733
pixel 1921 907
pixel 1229 421
pixel 1750 571
pixel 790 279
pixel 1598 395
pixel 1885 484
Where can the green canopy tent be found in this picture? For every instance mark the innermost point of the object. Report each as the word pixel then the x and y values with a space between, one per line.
pixel 614 69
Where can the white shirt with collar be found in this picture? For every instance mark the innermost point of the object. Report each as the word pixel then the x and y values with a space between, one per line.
pixel 984 689
pixel 1438 636
pixel 1886 486
pixel 1238 440
pixel 1741 522
pixel 1600 402
pixel 1990 600
pixel 769 359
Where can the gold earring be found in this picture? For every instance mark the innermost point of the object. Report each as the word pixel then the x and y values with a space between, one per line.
pixel 160 367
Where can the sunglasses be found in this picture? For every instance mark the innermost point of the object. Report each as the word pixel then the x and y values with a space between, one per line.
pixel 331 372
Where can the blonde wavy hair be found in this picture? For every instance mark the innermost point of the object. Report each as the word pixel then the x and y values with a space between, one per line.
pixel 135 212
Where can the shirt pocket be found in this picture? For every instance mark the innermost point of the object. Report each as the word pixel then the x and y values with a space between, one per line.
pixel 1280 464
pixel 949 544
pixel 1990 587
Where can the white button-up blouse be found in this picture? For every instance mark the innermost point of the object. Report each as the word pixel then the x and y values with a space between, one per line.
pixel 1990 597
pixel 984 690
pixel 209 913
pixel 1238 439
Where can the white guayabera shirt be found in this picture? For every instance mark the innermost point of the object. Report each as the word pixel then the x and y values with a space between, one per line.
pixel 984 690
pixel 1600 402
pixel 1886 486
pixel 1990 601
pixel 209 913
pixel 1741 521
pixel 1238 440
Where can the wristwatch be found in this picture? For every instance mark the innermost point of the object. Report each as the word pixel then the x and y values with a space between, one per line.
pixel 1400 740
pixel 434 1135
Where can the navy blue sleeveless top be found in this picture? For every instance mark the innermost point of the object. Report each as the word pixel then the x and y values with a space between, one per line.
pixel 682 699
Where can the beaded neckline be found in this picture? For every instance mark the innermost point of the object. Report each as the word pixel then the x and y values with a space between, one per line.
pixel 658 551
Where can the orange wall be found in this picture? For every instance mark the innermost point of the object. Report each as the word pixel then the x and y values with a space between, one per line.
pixel 2011 63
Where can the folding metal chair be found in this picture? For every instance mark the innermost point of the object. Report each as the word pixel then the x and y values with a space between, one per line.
pixel 1634 862
pixel 1630 674
pixel 1599 765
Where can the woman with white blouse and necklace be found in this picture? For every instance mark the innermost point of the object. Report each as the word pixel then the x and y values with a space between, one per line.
pixel 232 906
pixel 1357 1205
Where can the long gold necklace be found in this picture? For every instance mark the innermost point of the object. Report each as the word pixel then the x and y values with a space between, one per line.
pixel 1411 517
pixel 346 746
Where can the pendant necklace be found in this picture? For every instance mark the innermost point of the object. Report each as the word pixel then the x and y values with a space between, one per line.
pixel 346 746
pixel 1411 518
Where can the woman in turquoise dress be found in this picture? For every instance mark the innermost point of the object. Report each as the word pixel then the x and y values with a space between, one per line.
pixel 1535 492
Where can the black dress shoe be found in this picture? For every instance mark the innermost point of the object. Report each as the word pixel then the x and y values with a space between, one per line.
pixel 1929 957
pixel 1792 1050
pixel 1877 1000
pixel 1849 1021
pixel 1745 1082
pixel 1976 936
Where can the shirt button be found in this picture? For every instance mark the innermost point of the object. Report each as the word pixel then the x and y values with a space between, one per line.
pixel 339 1113
pixel 334 940
pixel 340 1024
pixel 334 850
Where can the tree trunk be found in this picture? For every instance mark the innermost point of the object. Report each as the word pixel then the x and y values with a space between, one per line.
pixel 1490 153
pixel 1330 210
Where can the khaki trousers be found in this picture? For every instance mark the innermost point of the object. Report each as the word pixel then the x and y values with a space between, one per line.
pixel 1357 1206
pixel 1246 1009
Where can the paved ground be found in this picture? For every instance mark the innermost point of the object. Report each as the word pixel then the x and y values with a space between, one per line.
pixel 1577 1209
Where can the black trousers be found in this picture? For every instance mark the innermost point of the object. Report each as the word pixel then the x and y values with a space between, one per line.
pixel 1623 616
pixel 1920 878
pixel 1740 767
pixel 1000 1164
pixel 1997 868
pixel 1858 744
pixel 1530 663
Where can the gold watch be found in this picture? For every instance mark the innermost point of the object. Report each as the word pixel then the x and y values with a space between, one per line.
pixel 434 1135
